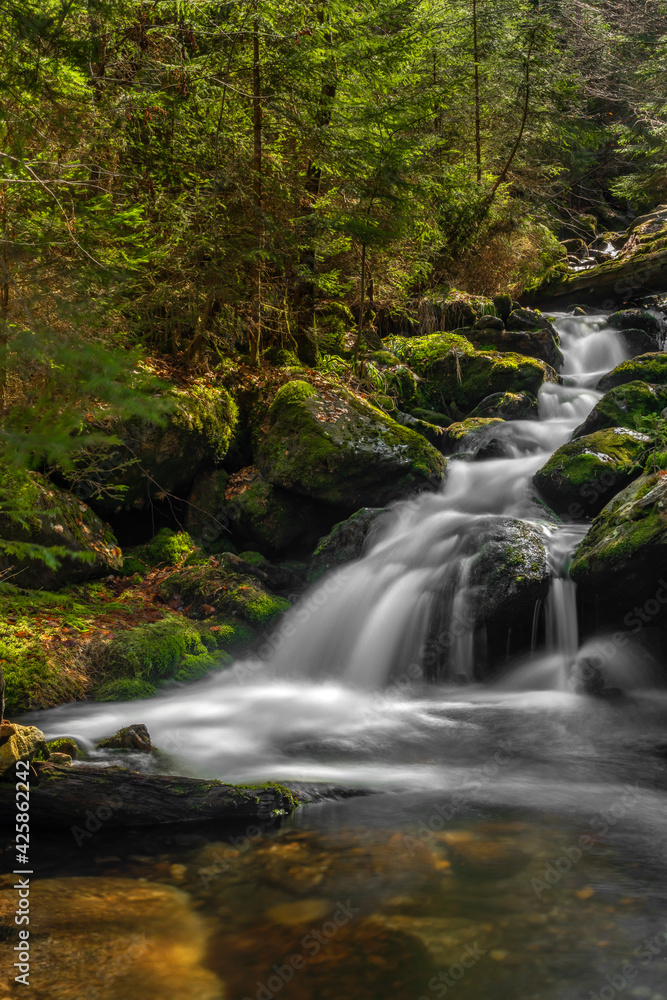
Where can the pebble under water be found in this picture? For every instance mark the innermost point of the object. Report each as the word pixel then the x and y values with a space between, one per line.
pixel 505 841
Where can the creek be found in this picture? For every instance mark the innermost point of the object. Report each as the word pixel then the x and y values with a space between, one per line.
pixel 514 843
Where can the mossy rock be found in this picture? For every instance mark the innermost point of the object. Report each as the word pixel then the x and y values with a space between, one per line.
pixel 508 406
pixel 651 368
pixel 455 375
pixel 168 548
pixel 229 595
pixel 582 476
pixel 68 745
pixel 261 514
pixel 75 544
pixel 157 458
pixel 431 416
pixel 330 445
pixel 151 654
pixel 434 435
pixel 346 541
pixel 636 319
pixel 383 358
pixel 474 436
pixel 625 406
pixel 621 561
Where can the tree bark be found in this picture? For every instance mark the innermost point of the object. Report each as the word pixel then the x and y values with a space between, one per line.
pixel 478 123
pixel 304 292
pixel 256 323
pixel 68 795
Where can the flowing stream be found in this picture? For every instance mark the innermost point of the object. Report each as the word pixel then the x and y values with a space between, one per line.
pixel 517 823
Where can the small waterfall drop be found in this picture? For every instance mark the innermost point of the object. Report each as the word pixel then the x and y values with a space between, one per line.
pixel 377 620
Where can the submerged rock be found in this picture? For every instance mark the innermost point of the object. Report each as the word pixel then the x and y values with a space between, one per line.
pixel 329 445
pixel 346 541
pixel 625 406
pixel 85 546
pixel 582 476
pixel 117 939
pixel 622 560
pixel 130 738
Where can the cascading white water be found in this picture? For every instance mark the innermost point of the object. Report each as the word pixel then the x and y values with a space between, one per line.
pixel 376 620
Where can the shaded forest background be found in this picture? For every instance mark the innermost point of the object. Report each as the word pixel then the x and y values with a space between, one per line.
pixel 186 180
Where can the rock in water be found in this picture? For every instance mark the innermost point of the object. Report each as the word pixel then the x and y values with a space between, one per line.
pixel 130 738
pixel 117 939
pixel 651 368
pixel 329 445
pixel 624 406
pixel 622 561
pixel 345 542
pixel 582 476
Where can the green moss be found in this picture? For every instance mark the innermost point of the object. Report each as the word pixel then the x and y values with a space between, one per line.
pixel 457 432
pixel 583 475
pixel 230 594
pixel 383 358
pixel 651 368
pixel 333 446
pixel 152 652
pixel 254 558
pixel 626 406
pixel 125 689
pixel 168 547
pixel 209 412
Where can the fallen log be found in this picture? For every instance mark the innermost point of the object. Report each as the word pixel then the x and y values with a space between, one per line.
pixel 608 285
pixel 79 794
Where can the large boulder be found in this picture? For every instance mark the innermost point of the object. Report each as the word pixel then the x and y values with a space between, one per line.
pixel 37 518
pixel 346 541
pixel 248 508
pixel 508 574
pixel 582 476
pixel 622 561
pixel 154 459
pixel 651 367
pixel 330 445
pixel 625 406
pixel 456 376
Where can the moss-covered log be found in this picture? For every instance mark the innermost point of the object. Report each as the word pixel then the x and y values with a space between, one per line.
pixel 607 285
pixel 92 797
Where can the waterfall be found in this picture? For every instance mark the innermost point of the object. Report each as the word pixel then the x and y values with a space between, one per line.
pixel 411 594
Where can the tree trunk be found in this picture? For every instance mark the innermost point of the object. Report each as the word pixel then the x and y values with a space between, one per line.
pixel 256 322
pixel 304 292
pixel 362 303
pixel 478 124
pixel 69 795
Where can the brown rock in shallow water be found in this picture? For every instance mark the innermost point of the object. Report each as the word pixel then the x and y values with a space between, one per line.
pixel 130 738
pixel 116 939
